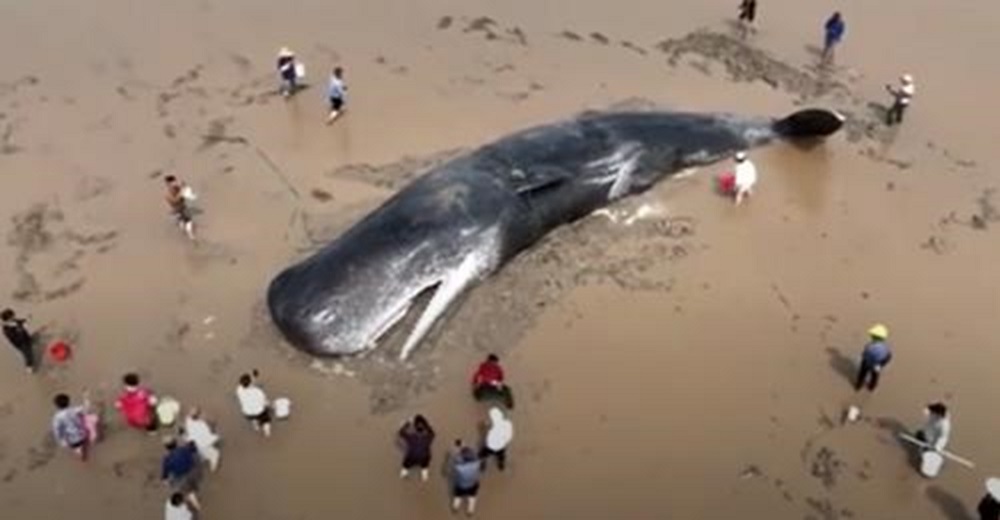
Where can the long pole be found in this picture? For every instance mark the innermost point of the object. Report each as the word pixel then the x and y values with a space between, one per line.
pixel 913 440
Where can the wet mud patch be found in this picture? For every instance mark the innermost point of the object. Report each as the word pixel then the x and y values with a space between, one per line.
pixel 492 30
pixel 49 253
pixel 394 176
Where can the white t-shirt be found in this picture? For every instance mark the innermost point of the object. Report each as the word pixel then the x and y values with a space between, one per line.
pixel 908 90
pixel 200 432
pixel 253 400
pixel 181 512
pixel 746 175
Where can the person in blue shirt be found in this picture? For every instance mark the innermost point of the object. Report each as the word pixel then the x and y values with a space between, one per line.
pixel 874 358
pixel 181 469
pixel 835 28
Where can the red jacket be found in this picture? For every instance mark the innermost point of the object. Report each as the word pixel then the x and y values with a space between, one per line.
pixel 488 373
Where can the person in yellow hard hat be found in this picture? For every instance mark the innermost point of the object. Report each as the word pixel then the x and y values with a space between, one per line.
pixel 874 358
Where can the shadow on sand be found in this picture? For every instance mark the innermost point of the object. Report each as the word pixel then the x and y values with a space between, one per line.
pixel 951 506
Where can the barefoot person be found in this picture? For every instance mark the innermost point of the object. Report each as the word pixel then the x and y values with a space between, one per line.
pixel 178 508
pixel 69 426
pixel 136 404
pixel 874 358
pixel 417 437
pixel 745 177
pixel 178 195
pixel 197 430
pixel 254 403
pixel 465 473
pixel 19 338
pixel 181 470
pixel 488 382
pixel 336 94
pixel 901 97
pixel 498 436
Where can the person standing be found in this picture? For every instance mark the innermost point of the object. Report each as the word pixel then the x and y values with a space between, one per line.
pixel 989 506
pixel 69 426
pixel 465 474
pixel 336 93
pixel 834 30
pixel 19 337
pixel 287 72
pixel 181 470
pixel 488 382
pixel 499 433
pixel 937 430
pixel 178 508
pixel 197 430
pixel 417 437
pixel 136 403
pixel 178 195
pixel 745 177
pixel 901 97
pixel 874 358
pixel 748 12
pixel 254 403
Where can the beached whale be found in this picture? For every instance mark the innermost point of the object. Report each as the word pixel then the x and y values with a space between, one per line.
pixel 463 220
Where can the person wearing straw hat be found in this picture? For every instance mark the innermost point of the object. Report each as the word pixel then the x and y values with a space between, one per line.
pixel 989 506
pixel 902 95
pixel 745 176
pixel 874 358
pixel 287 72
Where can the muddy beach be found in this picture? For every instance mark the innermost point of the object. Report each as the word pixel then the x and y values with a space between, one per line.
pixel 673 356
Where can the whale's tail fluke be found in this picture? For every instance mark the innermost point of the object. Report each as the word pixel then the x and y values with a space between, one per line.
pixel 809 123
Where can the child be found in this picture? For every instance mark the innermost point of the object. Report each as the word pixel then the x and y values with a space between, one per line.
pixel 136 404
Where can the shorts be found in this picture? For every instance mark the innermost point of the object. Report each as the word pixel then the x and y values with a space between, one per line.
pixel 336 104
pixel 79 444
pixel 189 483
pixel 416 462
pixel 183 215
pixel 262 418
pixel 469 492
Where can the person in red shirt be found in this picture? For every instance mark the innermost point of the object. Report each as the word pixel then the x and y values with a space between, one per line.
pixel 135 403
pixel 488 382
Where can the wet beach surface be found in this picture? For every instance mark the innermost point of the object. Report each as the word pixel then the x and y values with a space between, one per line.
pixel 673 356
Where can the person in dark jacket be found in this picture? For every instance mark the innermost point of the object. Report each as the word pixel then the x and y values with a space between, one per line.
pixel 417 437
pixel 989 506
pixel 834 30
pixel 181 469
pixel 874 358
pixel 19 338
pixel 287 72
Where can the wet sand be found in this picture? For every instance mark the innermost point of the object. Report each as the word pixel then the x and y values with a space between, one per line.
pixel 693 364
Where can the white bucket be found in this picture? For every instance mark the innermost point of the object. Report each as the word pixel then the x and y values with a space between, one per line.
pixel 300 70
pixel 282 408
pixel 930 463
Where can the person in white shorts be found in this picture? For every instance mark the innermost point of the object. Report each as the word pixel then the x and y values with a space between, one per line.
pixel 746 177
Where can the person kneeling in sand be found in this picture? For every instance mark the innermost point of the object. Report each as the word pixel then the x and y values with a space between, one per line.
pixel 488 382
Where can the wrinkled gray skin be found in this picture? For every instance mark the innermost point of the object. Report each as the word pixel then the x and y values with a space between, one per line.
pixel 463 220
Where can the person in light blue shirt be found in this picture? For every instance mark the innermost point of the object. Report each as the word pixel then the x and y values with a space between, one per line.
pixel 874 358
pixel 337 94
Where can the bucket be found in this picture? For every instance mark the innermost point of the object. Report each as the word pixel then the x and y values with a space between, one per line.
pixel 727 183
pixel 930 463
pixel 60 351
pixel 282 408
pixel 167 410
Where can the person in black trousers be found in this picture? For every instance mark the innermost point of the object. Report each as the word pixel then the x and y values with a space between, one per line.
pixel 19 338
pixel 989 506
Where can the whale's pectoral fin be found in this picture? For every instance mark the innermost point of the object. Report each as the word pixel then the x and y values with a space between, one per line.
pixel 454 283
pixel 532 180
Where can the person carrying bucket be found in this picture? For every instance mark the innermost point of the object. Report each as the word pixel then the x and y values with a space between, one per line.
pixel 744 177
pixel 874 358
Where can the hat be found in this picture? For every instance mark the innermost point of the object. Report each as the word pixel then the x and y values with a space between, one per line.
pixel 741 156
pixel 879 331
pixel 993 487
pixel 285 51
pixel 906 78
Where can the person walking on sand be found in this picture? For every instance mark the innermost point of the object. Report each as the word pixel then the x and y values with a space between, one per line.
pixel 748 12
pixel 197 430
pixel 989 506
pixel 488 382
pixel 465 474
pixel 499 433
pixel 874 358
pixel 19 338
pixel 178 508
pixel 181 470
pixel 69 426
pixel 745 176
pixel 178 196
pixel 937 430
pixel 417 437
pixel 901 97
pixel 336 93
pixel 834 30
pixel 136 404
pixel 254 403
pixel 288 71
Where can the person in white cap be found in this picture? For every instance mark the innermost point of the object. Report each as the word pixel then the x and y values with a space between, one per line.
pixel 902 95
pixel 498 437
pixel 287 72
pixel 989 506
pixel 745 177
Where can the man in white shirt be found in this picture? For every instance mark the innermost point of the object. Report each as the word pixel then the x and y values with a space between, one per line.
pixel 746 176
pixel 498 437
pixel 901 99
pixel 254 404
pixel 197 429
